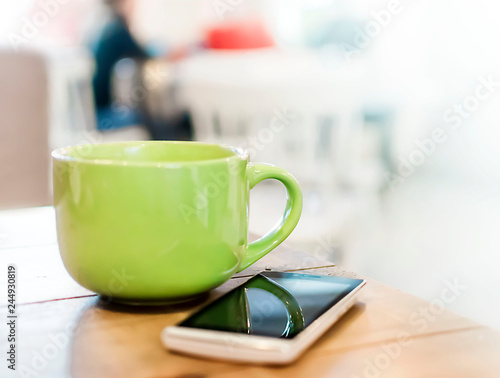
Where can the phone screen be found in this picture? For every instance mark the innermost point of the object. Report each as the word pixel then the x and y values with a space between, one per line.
pixel 273 304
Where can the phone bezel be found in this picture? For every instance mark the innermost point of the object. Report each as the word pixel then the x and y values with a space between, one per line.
pixel 255 348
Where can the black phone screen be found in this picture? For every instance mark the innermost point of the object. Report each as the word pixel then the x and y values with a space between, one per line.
pixel 273 304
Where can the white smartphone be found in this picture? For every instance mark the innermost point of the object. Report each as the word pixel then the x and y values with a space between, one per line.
pixel 270 319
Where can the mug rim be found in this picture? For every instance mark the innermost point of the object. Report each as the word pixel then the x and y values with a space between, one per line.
pixel 63 154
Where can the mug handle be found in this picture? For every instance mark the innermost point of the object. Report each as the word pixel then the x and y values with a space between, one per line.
pixel 261 247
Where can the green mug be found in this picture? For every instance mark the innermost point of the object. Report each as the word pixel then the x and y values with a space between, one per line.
pixel 160 222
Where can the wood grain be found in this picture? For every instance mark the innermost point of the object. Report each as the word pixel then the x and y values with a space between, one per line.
pixel 105 340
pixel 65 330
pixel 45 278
pixel 470 353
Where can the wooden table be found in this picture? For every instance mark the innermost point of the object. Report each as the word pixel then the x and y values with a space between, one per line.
pixel 63 329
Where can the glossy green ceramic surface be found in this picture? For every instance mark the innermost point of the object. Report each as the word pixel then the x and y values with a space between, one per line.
pixel 160 221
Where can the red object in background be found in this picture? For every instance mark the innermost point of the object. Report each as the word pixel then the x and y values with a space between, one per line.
pixel 238 36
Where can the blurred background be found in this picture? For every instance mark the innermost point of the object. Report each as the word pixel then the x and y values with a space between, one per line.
pixel 386 111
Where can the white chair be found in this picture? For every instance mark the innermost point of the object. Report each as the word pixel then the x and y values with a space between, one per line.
pixel 73 118
pixel 288 109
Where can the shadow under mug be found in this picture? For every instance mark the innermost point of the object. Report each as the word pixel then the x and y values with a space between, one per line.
pixel 159 221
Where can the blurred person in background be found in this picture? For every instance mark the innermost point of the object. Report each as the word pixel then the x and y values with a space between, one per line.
pixel 117 53
pixel 114 43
